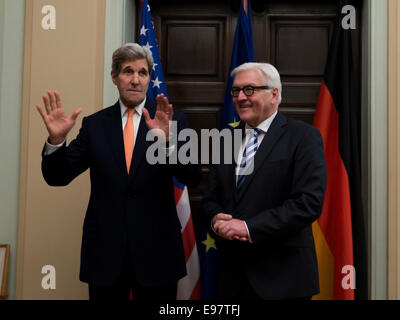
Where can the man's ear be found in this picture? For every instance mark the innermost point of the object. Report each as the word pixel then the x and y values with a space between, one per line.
pixel 275 92
pixel 113 78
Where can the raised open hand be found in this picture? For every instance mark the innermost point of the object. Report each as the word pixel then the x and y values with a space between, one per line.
pixel 162 116
pixel 58 124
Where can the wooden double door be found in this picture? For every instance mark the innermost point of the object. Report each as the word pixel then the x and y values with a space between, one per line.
pixel 195 41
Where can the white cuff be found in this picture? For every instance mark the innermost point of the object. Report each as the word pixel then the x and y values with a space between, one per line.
pixel 168 151
pixel 50 148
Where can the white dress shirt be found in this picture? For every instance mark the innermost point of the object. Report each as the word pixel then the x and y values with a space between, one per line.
pixel 137 116
pixel 263 126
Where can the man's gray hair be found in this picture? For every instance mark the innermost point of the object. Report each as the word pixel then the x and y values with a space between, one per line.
pixel 128 52
pixel 271 75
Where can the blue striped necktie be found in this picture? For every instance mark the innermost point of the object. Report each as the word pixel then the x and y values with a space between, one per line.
pixel 246 165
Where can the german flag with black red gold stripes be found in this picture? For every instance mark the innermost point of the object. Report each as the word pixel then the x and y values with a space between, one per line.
pixel 340 231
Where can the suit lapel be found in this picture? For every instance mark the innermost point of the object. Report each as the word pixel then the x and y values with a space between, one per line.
pixel 114 136
pixel 275 131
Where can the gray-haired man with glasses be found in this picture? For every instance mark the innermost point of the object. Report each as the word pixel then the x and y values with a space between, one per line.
pixel 263 220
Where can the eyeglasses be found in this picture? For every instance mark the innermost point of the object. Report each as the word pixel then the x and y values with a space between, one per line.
pixel 248 90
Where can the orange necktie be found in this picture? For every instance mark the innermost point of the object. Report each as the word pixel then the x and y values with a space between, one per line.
pixel 129 134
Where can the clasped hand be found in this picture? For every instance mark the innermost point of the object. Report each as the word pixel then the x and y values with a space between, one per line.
pixel 227 227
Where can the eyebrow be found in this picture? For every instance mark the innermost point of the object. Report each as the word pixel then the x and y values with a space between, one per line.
pixel 127 68
pixel 247 85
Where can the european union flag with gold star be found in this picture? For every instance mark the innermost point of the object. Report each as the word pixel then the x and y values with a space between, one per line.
pixel 242 52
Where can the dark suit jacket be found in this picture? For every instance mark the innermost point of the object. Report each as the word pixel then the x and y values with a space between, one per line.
pixel 132 213
pixel 279 201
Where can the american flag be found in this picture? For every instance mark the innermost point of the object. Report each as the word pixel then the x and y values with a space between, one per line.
pixel 189 286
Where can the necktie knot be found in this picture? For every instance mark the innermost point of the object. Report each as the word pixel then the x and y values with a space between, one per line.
pixel 130 113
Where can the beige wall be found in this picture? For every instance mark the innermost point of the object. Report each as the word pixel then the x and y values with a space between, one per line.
pixel 393 149
pixel 69 59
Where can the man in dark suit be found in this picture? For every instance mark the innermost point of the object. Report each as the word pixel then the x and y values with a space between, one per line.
pixel 262 208
pixel 131 232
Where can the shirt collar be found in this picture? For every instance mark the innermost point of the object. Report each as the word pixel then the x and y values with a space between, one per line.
pixel 263 126
pixel 138 108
